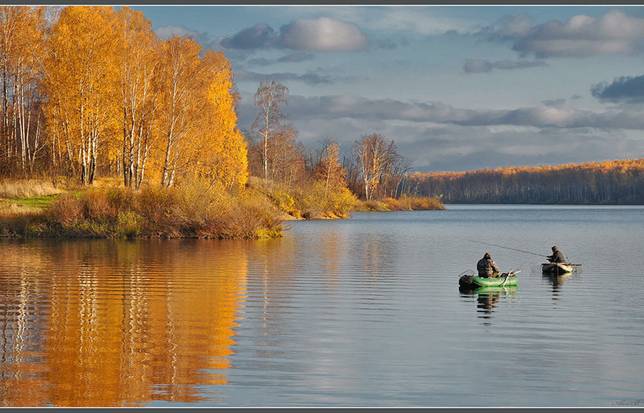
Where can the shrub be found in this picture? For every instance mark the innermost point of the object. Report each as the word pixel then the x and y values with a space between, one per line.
pixel 67 210
pixel 98 206
pixel 318 202
pixel 128 224
pixel 309 200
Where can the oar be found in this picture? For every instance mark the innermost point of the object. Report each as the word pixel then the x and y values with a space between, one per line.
pixel 511 273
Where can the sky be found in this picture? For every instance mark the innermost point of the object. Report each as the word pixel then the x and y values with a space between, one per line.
pixel 456 87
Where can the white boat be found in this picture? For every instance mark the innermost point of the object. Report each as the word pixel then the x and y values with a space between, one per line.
pixel 557 267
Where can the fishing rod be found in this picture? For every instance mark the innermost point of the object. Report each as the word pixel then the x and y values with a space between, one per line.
pixel 508 248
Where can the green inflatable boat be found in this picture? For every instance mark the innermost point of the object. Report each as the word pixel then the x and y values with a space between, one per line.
pixel 506 290
pixel 503 280
pixel 500 281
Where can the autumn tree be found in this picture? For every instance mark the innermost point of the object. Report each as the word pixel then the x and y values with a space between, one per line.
pixel 22 48
pixel 269 98
pixel 81 81
pixel 374 157
pixel 138 67
pixel 329 169
pixel 197 119
pixel 396 174
pixel 180 81
pixel 220 153
pixel 94 88
pixel 287 157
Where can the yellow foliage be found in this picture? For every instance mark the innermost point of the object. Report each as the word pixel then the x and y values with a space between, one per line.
pixel 81 81
pixel 321 202
pixel 227 160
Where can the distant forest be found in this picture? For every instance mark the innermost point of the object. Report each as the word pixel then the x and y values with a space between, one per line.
pixel 611 182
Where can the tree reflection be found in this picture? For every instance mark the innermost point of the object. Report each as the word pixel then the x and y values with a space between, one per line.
pixel 119 323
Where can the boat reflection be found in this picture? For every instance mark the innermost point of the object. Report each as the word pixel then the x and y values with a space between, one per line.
pixel 557 281
pixel 488 298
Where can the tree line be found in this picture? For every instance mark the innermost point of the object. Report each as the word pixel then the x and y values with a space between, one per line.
pixel 374 169
pixel 89 90
pixel 611 182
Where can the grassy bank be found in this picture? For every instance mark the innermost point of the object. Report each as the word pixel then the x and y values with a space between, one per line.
pixel 193 211
pixel 405 203
pixel 36 209
pixel 312 201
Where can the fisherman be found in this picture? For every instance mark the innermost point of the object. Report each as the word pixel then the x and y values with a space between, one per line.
pixel 557 256
pixel 487 267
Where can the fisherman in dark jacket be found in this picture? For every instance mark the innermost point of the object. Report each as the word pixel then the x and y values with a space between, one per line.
pixel 487 267
pixel 557 256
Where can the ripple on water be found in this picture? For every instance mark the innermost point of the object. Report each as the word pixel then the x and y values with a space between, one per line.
pixel 359 312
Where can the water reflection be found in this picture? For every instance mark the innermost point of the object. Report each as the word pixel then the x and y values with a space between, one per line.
pixel 557 280
pixel 114 323
pixel 488 298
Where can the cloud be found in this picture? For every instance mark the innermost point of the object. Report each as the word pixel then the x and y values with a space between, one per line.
pixel 257 37
pixel 390 43
pixel 626 89
pixel 322 34
pixel 485 66
pixel 579 36
pixel 294 57
pixel 415 20
pixel 436 136
pixel 311 77
pixel 509 28
pixel 554 102
pixel 562 117
pixel 165 32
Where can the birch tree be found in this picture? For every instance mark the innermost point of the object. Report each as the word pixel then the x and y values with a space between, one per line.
pixel 180 78
pixel 81 80
pixel 329 169
pixel 22 47
pixel 269 98
pixel 372 155
pixel 138 65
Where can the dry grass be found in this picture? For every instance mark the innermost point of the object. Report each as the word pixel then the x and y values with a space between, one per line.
pixel 15 218
pixel 193 211
pixel 27 188
pixel 404 203
pixel 311 200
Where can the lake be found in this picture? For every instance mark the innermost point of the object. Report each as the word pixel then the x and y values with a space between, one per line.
pixel 359 312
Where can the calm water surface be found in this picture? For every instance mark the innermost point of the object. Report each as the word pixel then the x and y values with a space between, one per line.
pixel 362 312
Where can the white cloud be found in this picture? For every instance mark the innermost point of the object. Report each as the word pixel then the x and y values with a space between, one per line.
pixel 485 66
pixel 579 36
pixel 417 20
pixel 322 34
